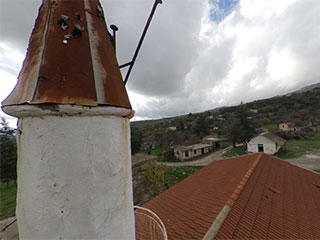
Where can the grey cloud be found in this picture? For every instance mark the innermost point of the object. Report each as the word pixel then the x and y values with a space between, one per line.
pixel 17 18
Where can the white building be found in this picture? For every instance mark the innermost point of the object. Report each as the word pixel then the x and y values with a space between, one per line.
pixel 266 142
pixel 187 152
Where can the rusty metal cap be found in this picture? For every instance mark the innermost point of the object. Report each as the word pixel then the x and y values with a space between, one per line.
pixel 64 66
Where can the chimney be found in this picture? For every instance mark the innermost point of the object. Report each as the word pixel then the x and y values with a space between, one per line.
pixel 74 159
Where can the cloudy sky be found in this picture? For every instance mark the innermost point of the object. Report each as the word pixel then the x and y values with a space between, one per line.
pixel 198 54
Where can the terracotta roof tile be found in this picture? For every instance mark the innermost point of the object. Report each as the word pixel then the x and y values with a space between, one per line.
pixel 287 203
pixel 273 200
pixel 189 208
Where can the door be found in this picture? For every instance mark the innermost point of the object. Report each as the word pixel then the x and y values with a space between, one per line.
pixel 260 147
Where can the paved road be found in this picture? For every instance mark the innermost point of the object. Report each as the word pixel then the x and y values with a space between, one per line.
pixel 201 162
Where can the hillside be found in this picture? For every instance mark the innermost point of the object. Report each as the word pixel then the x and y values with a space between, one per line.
pixel 302 108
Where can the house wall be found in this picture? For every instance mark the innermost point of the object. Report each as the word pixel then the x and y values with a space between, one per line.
pixel 269 147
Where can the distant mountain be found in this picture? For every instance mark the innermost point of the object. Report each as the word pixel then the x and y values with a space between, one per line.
pixel 308 88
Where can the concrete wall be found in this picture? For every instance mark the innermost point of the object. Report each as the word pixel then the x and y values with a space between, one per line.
pixel 74 178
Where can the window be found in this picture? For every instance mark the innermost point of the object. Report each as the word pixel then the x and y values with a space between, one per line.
pixel 195 152
pixel 186 153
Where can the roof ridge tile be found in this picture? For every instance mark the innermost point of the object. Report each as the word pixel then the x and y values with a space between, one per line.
pixel 218 221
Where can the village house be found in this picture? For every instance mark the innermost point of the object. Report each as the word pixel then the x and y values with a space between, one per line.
pixel 266 142
pixel 248 197
pixel 288 127
pixel 188 152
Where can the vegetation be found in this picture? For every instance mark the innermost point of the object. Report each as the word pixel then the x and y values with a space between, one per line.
pixel 225 144
pixel 177 174
pixel 8 193
pixel 241 126
pixel 8 153
pixel 155 173
pixel 136 140
pixel 236 151
pixel 158 151
pixel 271 127
pixel 296 148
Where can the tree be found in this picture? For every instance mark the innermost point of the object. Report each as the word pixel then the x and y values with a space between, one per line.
pixel 241 126
pixel 136 140
pixel 180 125
pixel 232 130
pixel 8 153
pixel 201 127
pixel 155 173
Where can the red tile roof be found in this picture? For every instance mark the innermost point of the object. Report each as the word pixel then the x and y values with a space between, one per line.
pixel 280 201
pixel 82 70
pixel 269 198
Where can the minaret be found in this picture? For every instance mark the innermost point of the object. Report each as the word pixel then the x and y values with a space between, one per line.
pixel 74 160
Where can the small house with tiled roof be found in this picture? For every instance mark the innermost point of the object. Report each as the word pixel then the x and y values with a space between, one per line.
pixel 188 152
pixel 266 142
pixel 249 197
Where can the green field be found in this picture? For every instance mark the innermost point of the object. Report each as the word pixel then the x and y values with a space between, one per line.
pixel 225 144
pixel 158 151
pixel 238 151
pixel 8 193
pixel 296 148
pixel 270 127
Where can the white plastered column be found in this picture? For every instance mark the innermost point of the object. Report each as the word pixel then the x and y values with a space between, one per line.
pixel 74 172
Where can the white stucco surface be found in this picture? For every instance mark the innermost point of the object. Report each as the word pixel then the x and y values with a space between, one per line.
pixel 269 147
pixel 74 176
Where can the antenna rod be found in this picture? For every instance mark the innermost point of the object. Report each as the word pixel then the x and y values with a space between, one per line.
pixel 114 30
pixel 141 39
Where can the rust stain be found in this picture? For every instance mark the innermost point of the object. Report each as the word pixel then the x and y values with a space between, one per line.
pixel 55 72
pixel 66 69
